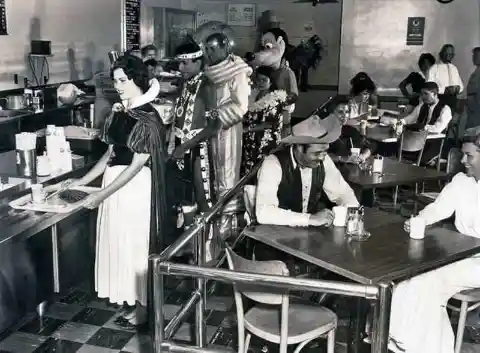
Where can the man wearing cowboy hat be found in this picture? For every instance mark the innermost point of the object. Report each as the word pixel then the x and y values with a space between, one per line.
pixel 293 182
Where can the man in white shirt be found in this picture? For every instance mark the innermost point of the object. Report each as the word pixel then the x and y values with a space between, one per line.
pixel 446 76
pixel 431 115
pixel 292 183
pixel 419 321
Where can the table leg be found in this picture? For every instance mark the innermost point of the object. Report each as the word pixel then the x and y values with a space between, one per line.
pixel 55 259
pixel 358 319
pixel 382 318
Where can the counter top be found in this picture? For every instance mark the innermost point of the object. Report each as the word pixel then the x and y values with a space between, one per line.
pixel 79 102
pixel 17 225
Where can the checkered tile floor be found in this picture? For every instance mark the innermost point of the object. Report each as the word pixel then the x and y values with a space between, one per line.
pixel 79 322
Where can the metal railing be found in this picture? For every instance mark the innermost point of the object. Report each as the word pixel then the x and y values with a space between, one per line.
pixel 161 266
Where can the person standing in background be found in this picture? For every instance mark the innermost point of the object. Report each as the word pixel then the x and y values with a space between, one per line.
pixel 473 92
pixel 416 79
pixel 149 52
pixel 446 76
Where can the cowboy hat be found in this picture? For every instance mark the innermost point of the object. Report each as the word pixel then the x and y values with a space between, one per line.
pixel 315 131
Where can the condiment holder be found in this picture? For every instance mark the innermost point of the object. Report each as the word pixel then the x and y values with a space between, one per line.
pixel 355 224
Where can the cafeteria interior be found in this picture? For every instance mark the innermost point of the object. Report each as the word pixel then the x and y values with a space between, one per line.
pixel 309 180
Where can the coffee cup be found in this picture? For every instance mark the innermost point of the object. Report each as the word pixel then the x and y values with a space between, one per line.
pixel 354 151
pixel 340 216
pixel 417 228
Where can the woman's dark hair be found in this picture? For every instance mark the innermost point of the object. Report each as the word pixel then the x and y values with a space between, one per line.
pixel 362 82
pixel 428 57
pixel 267 71
pixel 135 70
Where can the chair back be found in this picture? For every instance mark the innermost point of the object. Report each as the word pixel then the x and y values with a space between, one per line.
pixel 412 141
pixel 249 198
pixel 259 294
pixel 263 295
pixel 454 161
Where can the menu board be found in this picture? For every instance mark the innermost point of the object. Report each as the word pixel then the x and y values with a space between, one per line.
pixel 3 18
pixel 132 24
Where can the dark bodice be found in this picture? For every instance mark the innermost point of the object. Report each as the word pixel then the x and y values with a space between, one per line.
pixel 119 132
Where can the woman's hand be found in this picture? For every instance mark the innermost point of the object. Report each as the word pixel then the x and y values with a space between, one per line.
pixel 94 200
pixel 406 226
pixel 66 184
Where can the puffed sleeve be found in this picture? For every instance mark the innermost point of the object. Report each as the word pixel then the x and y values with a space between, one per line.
pixel 148 134
pixel 140 139
pixel 104 137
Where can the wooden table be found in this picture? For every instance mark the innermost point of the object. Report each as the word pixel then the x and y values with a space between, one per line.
pixel 394 173
pixel 387 257
pixel 384 134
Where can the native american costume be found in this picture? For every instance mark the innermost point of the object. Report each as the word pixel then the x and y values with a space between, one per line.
pixel 191 135
pixel 230 85
pixel 263 125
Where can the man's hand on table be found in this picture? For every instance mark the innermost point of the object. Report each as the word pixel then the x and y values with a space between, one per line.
pixel 322 218
pixel 406 226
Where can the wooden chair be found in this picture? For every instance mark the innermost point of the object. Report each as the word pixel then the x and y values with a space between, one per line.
pixel 277 320
pixel 412 142
pixel 249 198
pixel 470 300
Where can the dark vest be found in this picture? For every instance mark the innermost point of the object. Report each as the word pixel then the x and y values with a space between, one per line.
pixel 290 189
pixel 423 114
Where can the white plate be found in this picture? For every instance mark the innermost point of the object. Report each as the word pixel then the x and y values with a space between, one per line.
pixel 25 203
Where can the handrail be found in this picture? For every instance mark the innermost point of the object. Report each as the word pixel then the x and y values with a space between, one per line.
pixel 266 280
pixel 188 235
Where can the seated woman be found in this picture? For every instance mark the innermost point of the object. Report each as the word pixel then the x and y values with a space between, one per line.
pixel 263 121
pixel 363 92
pixel 132 218
pixel 416 79
pixel 350 137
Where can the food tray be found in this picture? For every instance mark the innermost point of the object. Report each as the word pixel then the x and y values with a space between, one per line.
pixel 75 133
pixel 54 205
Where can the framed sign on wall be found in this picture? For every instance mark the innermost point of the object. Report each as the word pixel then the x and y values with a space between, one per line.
pixel 241 15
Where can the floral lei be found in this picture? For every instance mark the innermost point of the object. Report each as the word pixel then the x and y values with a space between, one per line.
pixel 271 100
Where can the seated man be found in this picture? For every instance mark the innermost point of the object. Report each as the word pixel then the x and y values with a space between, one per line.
pixel 293 181
pixel 350 137
pixel 419 320
pixel 430 115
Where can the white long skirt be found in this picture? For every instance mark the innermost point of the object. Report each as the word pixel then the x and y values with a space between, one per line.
pixel 419 321
pixel 123 233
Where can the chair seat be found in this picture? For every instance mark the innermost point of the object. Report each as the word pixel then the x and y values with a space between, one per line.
pixel 305 322
pixel 470 295
pixel 428 196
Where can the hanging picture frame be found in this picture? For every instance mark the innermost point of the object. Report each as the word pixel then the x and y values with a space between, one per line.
pixel 241 15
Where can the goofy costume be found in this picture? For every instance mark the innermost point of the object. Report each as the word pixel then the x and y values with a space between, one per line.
pixel 272 54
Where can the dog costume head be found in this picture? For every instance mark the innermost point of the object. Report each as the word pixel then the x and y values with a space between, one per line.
pixel 273 43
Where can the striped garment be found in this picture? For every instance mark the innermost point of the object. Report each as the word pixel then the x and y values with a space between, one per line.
pixel 235 73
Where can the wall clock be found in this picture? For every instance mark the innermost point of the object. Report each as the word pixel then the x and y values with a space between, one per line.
pixel 445 1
